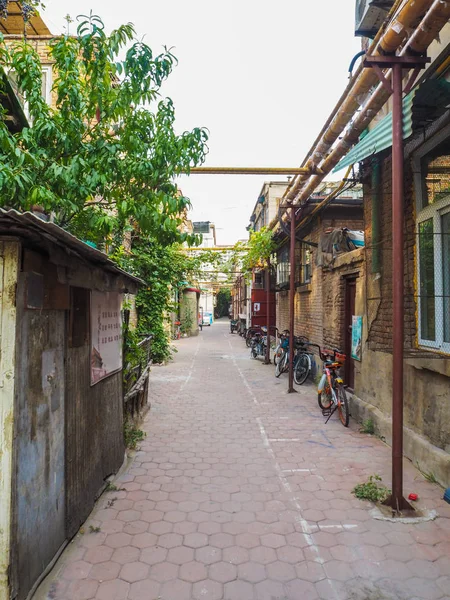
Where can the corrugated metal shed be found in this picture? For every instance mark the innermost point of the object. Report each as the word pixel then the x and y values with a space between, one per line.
pixel 29 226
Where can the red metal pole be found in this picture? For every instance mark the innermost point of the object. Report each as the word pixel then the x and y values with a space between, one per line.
pixel 398 288
pixel 267 360
pixel 292 304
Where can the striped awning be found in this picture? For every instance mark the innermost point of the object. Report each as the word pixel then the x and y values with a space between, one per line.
pixel 380 137
pixel 427 102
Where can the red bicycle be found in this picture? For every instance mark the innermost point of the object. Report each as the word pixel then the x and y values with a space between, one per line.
pixel 331 392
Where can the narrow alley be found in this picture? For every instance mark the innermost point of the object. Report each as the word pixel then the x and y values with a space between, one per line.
pixel 241 492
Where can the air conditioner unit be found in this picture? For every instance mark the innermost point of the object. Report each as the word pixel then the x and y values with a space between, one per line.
pixel 370 15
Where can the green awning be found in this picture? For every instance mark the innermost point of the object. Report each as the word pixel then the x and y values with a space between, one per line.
pixel 424 104
pixel 380 137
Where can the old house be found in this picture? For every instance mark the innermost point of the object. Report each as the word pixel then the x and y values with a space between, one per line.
pixel 61 394
pixel 360 132
pixel 327 268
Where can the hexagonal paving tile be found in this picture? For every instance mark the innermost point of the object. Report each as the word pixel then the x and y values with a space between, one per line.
pixel 180 555
pixel 238 590
pixel 163 571
pixel 98 554
pixel 181 590
pixel 195 540
pixel 273 540
pixel 208 555
pixel 207 590
pixel 193 571
pixel 222 572
pixel 252 572
pixel 134 571
pixel 236 555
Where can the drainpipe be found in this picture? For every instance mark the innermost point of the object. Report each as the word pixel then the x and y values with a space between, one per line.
pixel 267 360
pixel 376 183
pixel 292 303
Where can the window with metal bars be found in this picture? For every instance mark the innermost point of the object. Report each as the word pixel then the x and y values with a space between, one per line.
pixel 433 248
pixel 305 264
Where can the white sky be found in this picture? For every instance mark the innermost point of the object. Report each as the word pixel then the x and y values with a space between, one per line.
pixel 261 75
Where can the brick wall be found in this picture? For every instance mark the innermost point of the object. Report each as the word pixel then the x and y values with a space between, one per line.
pixel 379 296
pixel 319 306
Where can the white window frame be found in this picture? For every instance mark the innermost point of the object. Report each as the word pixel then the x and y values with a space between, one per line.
pixel 48 70
pixel 435 212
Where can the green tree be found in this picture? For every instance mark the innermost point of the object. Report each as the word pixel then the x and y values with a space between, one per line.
pixel 256 252
pixel 223 303
pixel 165 269
pixel 105 159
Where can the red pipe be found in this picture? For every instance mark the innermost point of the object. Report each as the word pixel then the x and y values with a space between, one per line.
pixel 397 288
pixel 292 303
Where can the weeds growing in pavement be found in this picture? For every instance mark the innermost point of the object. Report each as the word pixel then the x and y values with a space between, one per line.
pixel 367 426
pixel 372 490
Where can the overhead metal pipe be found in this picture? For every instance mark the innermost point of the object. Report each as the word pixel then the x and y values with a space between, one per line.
pixel 248 170
pixel 434 20
pixel 407 16
pixel 295 183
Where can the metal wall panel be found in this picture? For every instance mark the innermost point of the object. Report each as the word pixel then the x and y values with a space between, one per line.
pixel 39 502
pixel 94 435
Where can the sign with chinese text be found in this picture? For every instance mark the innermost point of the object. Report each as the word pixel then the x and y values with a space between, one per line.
pixel 106 334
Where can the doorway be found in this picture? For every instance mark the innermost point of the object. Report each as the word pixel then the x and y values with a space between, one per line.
pixel 350 297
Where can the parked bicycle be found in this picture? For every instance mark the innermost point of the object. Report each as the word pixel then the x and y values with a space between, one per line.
pixel 331 393
pixel 281 346
pixel 234 324
pixel 302 358
pixel 258 343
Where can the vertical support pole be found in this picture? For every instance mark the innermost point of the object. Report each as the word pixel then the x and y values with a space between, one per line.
pixel 292 303
pixel 397 288
pixel 267 359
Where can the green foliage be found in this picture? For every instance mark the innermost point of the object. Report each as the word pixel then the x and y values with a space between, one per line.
pixel 135 357
pixel 371 490
pixel 107 156
pixel 223 303
pixel 257 251
pixel 367 426
pixel 187 321
pixel 93 529
pixel 132 436
pixel 163 268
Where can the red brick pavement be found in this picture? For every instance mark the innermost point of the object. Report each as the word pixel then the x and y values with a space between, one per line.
pixel 241 492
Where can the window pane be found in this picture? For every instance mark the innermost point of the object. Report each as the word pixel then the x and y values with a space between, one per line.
pixel 446 273
pixel 426 264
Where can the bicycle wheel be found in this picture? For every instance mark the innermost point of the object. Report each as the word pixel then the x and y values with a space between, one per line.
pixel 302 367
pixel 324 398
pixel 343 410
pixel 279 363
pixel 277 355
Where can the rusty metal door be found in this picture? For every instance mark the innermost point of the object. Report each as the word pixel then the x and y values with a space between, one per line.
pixel 39 490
